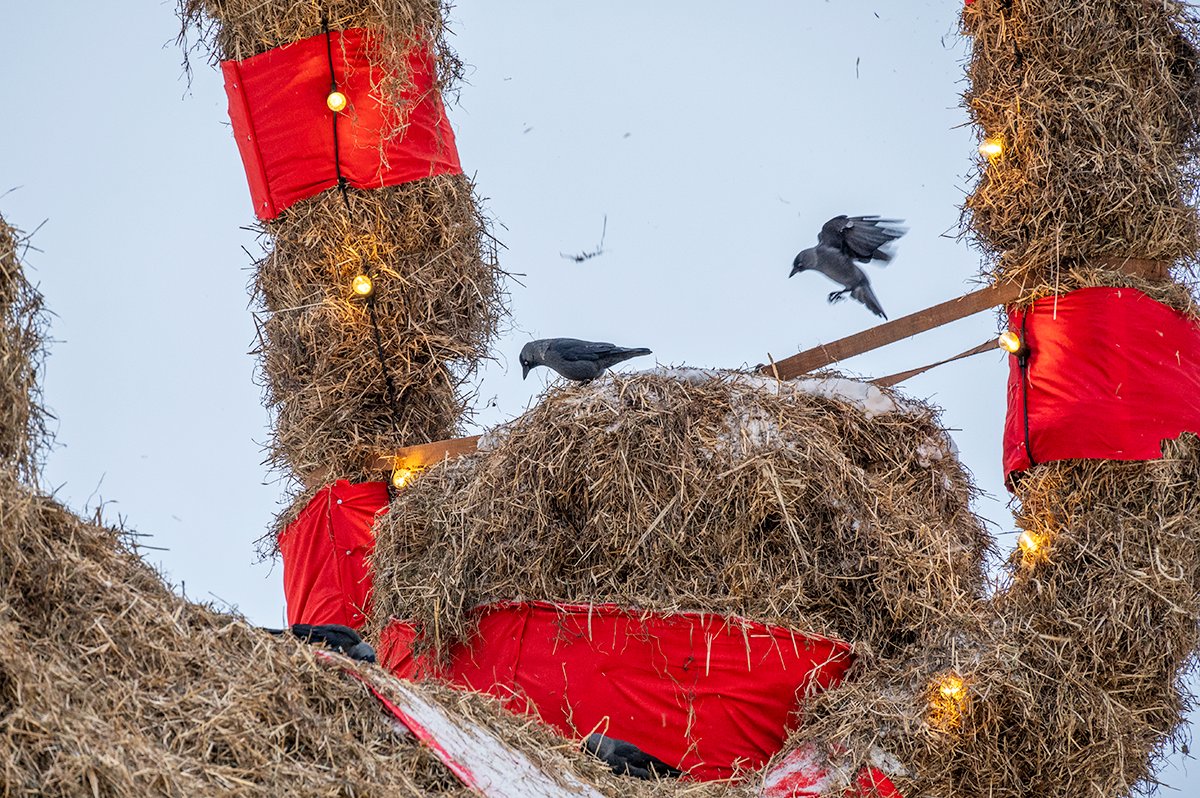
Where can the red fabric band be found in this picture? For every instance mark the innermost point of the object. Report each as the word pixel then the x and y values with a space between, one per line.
pixel 325 573
pixel 1111 374
pixel 698 691
pixel 284 129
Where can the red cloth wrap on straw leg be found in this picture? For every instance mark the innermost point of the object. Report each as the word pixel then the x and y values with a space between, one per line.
pixel 284 129
pixel 698 691
pixel 1111 374
pixel 325 550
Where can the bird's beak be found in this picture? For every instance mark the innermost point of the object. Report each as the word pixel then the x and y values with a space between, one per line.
pixel 525 370
pixel 794 270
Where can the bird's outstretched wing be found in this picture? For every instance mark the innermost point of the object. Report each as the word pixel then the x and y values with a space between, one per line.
pixel 860 237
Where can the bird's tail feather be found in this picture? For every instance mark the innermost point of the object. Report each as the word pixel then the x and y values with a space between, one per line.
pixel 863 293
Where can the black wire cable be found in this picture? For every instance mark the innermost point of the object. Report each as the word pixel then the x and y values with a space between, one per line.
pixel 1023 365
pixel 333 86
pixel 372 314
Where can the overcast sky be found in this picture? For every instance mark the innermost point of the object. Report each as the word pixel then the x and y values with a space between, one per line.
pixel 715 137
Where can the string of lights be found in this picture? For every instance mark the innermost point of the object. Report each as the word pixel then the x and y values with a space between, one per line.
pixel 1031 546
pixel 363 284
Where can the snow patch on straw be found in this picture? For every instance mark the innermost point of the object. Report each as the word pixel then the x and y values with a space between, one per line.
pixel 866 396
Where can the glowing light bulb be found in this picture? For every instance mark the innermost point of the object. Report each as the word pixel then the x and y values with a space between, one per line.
pixel 1010 342
pixel 1029 542
pixel 992 148
pixel 952 688
pixel 336 101
pixel 362 285
pixel 401 477
pixel 948 701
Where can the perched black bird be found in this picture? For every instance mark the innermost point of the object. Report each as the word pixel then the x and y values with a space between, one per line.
pixel 844 240
pixel 574 359
pixel 340 638
pixel 626 759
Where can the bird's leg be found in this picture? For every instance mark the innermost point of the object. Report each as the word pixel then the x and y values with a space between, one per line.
pixel 838 296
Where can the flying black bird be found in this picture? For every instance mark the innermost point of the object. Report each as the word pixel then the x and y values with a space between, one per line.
pixel 626 759
pixel 340 638
pixel 844 240
pixel 574 359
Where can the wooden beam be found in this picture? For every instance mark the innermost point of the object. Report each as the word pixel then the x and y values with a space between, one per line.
pixel 892 331
pixel 425 454
pixel 901 376
pixel 1139 267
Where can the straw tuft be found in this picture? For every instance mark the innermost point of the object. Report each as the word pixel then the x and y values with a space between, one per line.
pixel 437 301
pixel 23 435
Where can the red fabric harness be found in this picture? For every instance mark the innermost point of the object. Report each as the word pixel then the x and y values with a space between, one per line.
pixel 325 573
pixel 700 691
pixel 285 130
pixel 1110 374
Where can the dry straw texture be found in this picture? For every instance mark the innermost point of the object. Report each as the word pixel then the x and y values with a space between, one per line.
pixel 22 323
pixel 1073 674
pixel 231 30
pixel 693 490
pixel 437 302
pixel 1068 680
pixel 1096 103
pixel 112 686
pixel 438 290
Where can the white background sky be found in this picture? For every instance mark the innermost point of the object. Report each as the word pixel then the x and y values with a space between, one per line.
pixel 716 137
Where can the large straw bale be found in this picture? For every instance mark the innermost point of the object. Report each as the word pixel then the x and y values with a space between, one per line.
pixel 438 289
pixel 1096 103
pixel 825 504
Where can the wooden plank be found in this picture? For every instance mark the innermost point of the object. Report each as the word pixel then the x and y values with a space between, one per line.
pixel 901 376
pixel 1141 267
pixel 425 454
pixel 891 331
